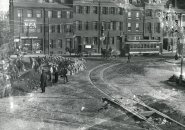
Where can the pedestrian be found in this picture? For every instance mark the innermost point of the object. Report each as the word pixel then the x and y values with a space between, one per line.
pixel 56 74
pixel 43 79
pixel 129 56
pixel 65 75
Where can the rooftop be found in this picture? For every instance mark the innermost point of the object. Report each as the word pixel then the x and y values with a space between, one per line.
pixel 38 4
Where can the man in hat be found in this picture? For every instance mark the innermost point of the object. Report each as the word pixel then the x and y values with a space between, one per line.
pixel 43 79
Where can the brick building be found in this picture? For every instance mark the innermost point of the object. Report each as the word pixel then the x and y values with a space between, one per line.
pixel 86 24
pixel 41 25
pixel 134 20
pixel 152 28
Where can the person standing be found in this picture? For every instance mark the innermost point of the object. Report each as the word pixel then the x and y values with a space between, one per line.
pixel 129 56
pixel 43 79
pixel 56 74
pixel 65 75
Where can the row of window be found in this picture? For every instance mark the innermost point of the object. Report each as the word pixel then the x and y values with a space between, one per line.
pixel 114 25
pixel 153 13
pixel 130 26
pixel 130 15
pixel 67 28
pixel 156 27
pixel 94 40
pixel 95 9
pixel 59 43
pixel 136 46
pixel 49 13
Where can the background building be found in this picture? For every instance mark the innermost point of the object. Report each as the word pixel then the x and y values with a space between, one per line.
pixel 41 25
pixel 90 24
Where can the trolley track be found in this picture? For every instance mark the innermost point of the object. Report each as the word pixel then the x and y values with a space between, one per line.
pixel 110 95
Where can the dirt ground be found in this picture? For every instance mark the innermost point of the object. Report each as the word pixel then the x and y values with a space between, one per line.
pixel 148 82
pixel 71 106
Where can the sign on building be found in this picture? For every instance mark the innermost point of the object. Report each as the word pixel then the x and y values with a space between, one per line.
pixel 29 25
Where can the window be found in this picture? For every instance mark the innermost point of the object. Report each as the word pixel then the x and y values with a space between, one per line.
pixel 59 14
pixel 79 9
pixel 61 28
pixel 121 26
pixel 60 43
pixel 38 13
pixel 112 10
pixel 118 26
pixel 51 1
pixel 86 25
pixel 29 13
pixel 111 25
pixel 114 25
pixel 129 15
pixel 137 37
pixel 148 27
pixel 105 10
pixel 137 26
pixel 157 27
pixel 68 14
pixel 86 40
pixel 95 25
pixel 39 28
pixel 51 42
pixel 51 28
pixel 137 15
pixel 120 11
pixel 19 12
pixel 54 43
pixel 78 25
pixel 68 43
pixel 68 28
pixel 87 9
pixel 129 26
pixel 95 40
pixel 95 10
pixel 148 12
pixel 54 14
pixel 49 14
pixel 112 40
pixel 58 29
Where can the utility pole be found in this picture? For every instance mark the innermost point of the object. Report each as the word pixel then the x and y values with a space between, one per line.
pixel 99 25
pixel 20 29
pixel 44 33
pixel 48 37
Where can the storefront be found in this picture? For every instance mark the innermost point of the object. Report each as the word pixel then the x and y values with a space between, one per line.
pixel 32 45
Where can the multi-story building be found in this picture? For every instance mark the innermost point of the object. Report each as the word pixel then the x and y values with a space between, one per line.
pixel 39 25
pixel 152 21
pixel 134 20
pixel 91 25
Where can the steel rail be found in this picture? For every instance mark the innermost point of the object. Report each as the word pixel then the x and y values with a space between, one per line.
pixel 117 101
pixel 140 103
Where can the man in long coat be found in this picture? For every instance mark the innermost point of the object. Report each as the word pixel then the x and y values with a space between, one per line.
pixel 43 80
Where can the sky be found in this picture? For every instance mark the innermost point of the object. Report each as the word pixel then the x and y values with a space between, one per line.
pixel 4 5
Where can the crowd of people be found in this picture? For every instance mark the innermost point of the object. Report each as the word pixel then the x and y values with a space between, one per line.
pixel 53 67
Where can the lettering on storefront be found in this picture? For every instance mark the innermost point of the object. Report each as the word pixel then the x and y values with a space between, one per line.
pixel 29 25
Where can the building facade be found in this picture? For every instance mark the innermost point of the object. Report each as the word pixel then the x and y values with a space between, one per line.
pixel 134 20
pixel 100 29
pixel 152 21
pixel 41 26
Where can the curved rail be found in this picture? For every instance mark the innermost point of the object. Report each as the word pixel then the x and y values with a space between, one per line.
pixel 114 100
pixel 118 102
